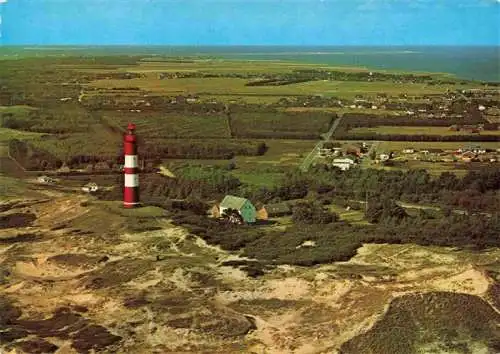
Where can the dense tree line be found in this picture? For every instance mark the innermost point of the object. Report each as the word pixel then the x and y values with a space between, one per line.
pixel 32 158
pixel 477 190
pixel 284 125
pixel 212 183
pixel 203 149
pixel 277 82
pixel 312 213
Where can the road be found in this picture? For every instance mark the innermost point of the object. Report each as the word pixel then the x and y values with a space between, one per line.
pixel 308 160
pixel 429 207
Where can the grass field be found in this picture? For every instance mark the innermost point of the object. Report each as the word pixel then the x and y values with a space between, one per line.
pixel 397 130
pixel 15 109
pixel 351 216
pixel 7 134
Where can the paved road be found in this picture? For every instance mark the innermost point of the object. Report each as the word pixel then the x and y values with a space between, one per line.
pixel 308 160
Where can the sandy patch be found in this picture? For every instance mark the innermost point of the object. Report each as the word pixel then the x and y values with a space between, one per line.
pixel 288 288
pixel 471 281
pixel 42 269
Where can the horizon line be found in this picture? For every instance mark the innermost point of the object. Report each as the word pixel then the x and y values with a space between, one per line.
pixel 243 45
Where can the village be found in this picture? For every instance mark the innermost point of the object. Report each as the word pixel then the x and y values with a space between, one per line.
pixel 352 154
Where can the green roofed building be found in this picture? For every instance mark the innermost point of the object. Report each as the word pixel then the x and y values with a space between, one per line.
pixel 244 207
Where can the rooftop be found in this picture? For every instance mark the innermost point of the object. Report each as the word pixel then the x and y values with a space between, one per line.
pixel 233 202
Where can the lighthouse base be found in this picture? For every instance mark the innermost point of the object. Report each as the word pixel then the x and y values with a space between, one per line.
pixel 131 197
pixel 131 205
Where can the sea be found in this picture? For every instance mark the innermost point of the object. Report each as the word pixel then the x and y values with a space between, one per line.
pixel 480 63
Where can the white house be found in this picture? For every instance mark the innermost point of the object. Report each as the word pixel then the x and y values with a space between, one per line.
pixel 90 187
pixel 344 160
pixel 342 166
pixel 343 163
pixel 384 157
pixel 45 180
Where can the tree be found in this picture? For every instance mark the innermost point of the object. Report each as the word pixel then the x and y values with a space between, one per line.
pixel 312 213
pixel 385 210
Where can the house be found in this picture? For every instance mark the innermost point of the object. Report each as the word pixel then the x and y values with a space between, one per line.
pixel 384 157
pixel 325 152
pixel 90 187
pixel 475 149
pixel 342 166
pixel 273 210
pixel 344 160
pixel 353 150
pixel 45 180
pixel 215 211
pixel 64 168
pixel 343 163
pixel 242 205
pixel 101 166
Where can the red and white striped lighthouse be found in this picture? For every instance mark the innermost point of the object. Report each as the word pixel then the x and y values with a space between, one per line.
pixel 131 190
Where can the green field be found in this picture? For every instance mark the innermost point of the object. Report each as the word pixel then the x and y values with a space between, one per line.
pixel 7 134
pixel 398 130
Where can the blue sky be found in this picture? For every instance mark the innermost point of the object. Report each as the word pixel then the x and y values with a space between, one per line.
pixel 251 22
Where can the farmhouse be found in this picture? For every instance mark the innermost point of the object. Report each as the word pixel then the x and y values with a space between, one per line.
pixel 384 157
pixel 64 168
pixel 90 187
pixel 242 205
pixel 344 163
pixel 101 166
pixel 273 210
pixel 45 180
pixel 325 152
pixel 215 211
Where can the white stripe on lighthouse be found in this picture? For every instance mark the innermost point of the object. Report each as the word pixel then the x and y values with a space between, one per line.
pixel 131 180
pixel 131 161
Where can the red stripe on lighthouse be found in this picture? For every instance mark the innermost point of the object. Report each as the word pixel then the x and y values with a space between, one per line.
pixel 130 169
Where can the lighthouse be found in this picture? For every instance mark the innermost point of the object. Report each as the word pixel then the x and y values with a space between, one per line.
pixel 130 170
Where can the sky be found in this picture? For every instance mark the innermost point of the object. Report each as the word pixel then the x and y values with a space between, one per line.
pixel 250 22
